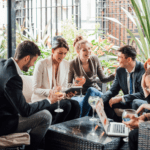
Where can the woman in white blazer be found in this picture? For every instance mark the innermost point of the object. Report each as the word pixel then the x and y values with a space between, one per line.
pixel 51 72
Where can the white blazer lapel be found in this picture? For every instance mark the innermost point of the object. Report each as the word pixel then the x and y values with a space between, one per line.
pixel 49 70
pixel 62 73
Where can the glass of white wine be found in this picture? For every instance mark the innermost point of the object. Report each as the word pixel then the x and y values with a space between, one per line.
pixel 60 91
pixel 93 101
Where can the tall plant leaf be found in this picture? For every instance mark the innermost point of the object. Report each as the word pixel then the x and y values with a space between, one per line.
pixel 141 19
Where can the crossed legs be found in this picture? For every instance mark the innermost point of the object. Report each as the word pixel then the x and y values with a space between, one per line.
pixel 38 124
pixel 86 107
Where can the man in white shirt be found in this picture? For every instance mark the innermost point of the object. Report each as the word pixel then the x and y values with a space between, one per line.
pixel 16 115
pixel 128 79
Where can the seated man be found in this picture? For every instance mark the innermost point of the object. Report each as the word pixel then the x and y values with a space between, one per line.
pixel 145 83
pixel 134 122
pixel 143 105
pixel 128 79
pixel 16 114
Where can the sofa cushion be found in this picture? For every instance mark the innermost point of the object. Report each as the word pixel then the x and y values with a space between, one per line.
pixel 27 87
pixel 15 139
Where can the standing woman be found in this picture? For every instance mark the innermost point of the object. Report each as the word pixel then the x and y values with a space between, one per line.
pixel 89 66
pixel 51 72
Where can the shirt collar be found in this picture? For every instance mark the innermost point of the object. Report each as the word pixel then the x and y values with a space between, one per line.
pixel 17 67
pixel 132 70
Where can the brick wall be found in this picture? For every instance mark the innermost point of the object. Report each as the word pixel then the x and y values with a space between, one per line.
pixel 113 10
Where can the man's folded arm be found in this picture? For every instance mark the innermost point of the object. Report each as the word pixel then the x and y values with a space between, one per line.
pixel 138 95
pixel 131 97
pixel 13 93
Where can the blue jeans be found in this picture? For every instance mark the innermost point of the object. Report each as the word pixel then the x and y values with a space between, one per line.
pixel 83 101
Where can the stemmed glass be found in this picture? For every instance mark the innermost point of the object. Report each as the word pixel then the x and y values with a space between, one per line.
pixel 93 101
pixel 92 135
pixel 79 79
pixel 59 90
pixel 77 130
pixel 69 85
pixel 125 112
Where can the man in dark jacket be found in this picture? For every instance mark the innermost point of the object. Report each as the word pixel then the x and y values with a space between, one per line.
pixel 16 115
pixel 128 79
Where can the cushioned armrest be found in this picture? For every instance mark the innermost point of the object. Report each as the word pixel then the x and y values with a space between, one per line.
pixel 15 139
pixel 144 135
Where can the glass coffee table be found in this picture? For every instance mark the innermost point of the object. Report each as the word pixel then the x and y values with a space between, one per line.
pixel 81 134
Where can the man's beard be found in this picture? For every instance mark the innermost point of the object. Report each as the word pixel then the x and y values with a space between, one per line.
pixel 26 67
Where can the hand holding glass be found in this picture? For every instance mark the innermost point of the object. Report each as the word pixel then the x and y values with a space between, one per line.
pixel 59 91
pixel 125 112
pixel 69 85
pixel 54 97
pixel 79 81
pixel 128 111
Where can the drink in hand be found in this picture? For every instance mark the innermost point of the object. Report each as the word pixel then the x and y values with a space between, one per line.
pixel 125 112
pixel 128 111
pixel 79 81
pixel 59 92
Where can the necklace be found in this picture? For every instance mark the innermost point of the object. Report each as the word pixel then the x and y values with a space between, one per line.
pixel 84 63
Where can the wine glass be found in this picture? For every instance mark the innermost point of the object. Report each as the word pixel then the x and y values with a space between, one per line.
pixel 81 80
pixel 77 130
pixel 69 85
pixel 92 135
pixel 125 112
pixel 128 111
pixel 59 90
pixel 93 101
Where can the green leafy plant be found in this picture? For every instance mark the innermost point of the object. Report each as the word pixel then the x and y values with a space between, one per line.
pixel 106 51
pixel 103 48
pixel 3 44
pixel 140 17
pixel 69 32
pixel 45 48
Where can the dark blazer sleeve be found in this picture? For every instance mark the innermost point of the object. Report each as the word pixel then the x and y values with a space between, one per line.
pixel 139 94
pixel 131 97
pixel 13 93
pixel 148 99
pixel 113 91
